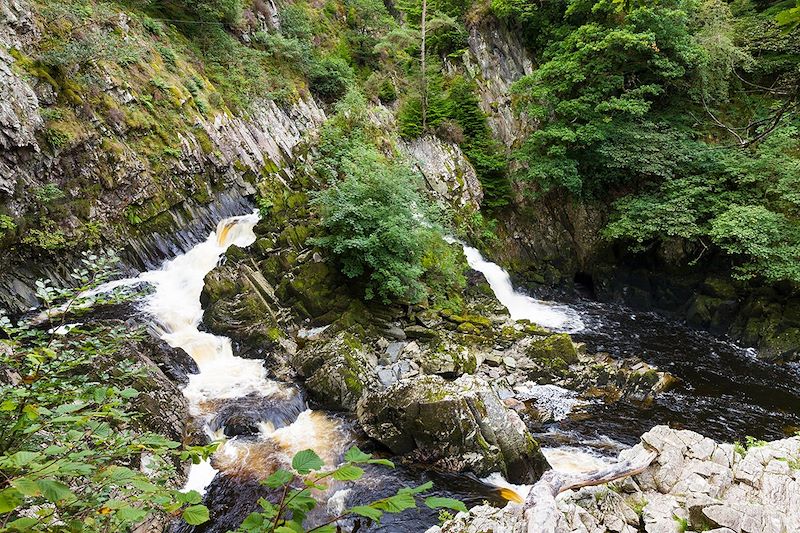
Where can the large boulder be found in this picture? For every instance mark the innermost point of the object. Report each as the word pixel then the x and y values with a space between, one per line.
pixel 337 370
pixel 462 424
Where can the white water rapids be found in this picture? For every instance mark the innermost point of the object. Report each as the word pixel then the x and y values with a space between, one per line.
pixel 521 306
pixel 176 309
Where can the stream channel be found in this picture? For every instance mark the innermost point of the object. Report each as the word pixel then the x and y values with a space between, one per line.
pixel 724 392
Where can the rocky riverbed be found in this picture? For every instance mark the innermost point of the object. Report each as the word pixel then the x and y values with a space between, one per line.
pixel 694 484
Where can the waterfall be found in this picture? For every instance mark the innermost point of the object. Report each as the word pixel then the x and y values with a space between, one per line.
pixel 521 306
pixel 224 377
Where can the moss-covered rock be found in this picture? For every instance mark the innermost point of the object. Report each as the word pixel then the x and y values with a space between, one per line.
pixel 463 425
pixel 338 370
pixel 555 349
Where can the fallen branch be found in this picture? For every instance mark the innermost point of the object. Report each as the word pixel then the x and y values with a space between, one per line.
pixel 541 513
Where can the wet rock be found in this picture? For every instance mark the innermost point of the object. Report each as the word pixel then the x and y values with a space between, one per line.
pixel 176 364
pixel 246 415
pixel 420 332
pixel 461 424
pixel 337 370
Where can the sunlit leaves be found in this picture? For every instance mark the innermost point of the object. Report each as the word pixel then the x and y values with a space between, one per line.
pixel 278 478
pixel 295 504
pixel 195 515
pixel 448 503
pixel 348 473
pixel 306 461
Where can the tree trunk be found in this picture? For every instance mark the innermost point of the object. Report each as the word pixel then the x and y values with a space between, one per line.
pixel 424 77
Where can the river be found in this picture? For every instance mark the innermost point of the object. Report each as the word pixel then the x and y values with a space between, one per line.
pixel 724 393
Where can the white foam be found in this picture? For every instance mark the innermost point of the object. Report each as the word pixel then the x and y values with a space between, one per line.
pixel 521 306
pixel 574 460
pixel 200 477
pixel 175 305
pixel 556 401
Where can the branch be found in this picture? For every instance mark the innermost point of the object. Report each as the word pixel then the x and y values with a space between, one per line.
pixel 541 512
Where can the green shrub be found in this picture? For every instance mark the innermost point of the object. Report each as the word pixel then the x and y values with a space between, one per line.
pixel 288 49
pixel 152 26
pixel 57 137
pixel 168 54
pixel 294 505
pixel 70 450
pixel 295 22
pixel 372 227
pixel 7 225
pixel 330 77
pixel 48 192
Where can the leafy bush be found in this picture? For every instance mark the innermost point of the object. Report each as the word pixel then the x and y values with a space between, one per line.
pixel 374 219
pixel 372 225
pixel 48 192
pixel 7 225
pixel 70 447
pixel 57 137
pixel 744 203
pixel 289 49
pixel 295 23
pixel 330 77
pixel 294 505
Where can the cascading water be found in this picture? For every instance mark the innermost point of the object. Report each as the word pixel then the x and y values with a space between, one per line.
pixel 521 306
pixel 223 377
pixel 285 424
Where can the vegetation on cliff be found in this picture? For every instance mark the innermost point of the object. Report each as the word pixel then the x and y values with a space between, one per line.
pixel 75 451
pixel 375 219
pixel 684 112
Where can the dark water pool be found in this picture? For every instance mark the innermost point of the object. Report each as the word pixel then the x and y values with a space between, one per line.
pixel 725 392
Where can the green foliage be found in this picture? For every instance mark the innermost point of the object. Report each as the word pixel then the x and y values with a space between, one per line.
pixel 641 100
pixel 749 442
pixel 330 78
pixel 597 86
pixel 457 101
pixel 226 11
pixel 7 225
pixel 374 219
pixel 70 445
pixel 81 47
pixel 372 225
pixel 745 203
pixel 790 18
pixel 295 23
pixel 57 138
pixel 681 524
pixel 297 500
pixel 48 193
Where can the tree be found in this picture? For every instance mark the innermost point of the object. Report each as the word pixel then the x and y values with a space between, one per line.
pixel 790 18
pixel 374 218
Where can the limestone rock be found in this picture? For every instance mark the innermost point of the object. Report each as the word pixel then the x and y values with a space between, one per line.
pixel 447 172
pixel 693 482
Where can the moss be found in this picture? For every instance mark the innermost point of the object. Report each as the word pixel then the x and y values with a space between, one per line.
pixel 475 320
pixel 274 334
pixel 719 288
pixel 204 141
pixel 553 348
pixel 467 327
